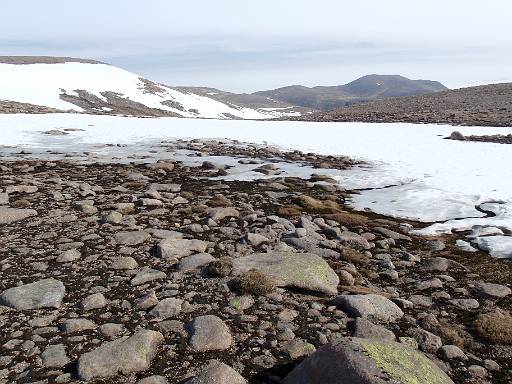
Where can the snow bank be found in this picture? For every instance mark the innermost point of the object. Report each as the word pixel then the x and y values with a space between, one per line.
pixel 42 84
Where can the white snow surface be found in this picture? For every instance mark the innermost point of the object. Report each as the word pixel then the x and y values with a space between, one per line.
pixel 42 84
pixel 411 171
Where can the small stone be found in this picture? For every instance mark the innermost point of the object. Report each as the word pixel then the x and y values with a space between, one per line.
pixel 54 356
pixel 491 291
pixel 296 349
pixel 111 330
pixel 123 356
pixel 209 333
pixel 451 352
pixel 68 256
pixel 94 301
pixel 373 307
pixel 166 308
pixel 367 330
pixel 155 379
pixel 123 263
pixel 131 238
pixel 217 373
pixel 146 275
pixel 76 325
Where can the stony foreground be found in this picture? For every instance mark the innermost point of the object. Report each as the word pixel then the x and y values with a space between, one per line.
pixel 153 274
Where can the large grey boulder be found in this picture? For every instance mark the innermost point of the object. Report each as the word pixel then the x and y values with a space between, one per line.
pixel 372 307
pixel 216 372
pixel 364 361
pixel 209 333
pixel 177 248
pixel 123 356
pixel 47 293
pixel 11 215
pixel 291 269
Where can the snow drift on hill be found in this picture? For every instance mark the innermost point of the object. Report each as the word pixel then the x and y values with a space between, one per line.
pixel 44 84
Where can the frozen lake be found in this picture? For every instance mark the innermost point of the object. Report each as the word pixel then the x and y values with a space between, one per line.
pixel 415 173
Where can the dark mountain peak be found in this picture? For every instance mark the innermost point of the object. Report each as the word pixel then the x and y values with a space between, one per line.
pixel 366 88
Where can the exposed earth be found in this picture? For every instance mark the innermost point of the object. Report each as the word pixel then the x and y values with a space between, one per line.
pixel 162 273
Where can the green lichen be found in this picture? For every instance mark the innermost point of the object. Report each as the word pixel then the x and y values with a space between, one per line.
pixel 236 304
pixel 403 363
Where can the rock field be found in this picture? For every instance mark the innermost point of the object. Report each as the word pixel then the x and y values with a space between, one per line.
pixel 161 273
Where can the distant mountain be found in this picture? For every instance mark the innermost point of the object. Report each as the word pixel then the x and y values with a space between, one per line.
pixel 70 84
pixel 366 88
pixel 486 105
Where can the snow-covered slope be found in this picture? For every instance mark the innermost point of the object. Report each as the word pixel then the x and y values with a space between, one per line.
pixel 105 89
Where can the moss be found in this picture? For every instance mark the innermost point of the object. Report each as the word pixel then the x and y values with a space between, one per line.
pixel 348 219
pixel 495 327
pixel 219 268
pixel 236 304
pixel 301 269
pixel 253 282
pixel 313 205
pixel 355 257
pixel 289 211
pixel 403 363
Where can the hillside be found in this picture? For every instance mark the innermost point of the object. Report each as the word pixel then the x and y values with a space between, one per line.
pixel 364 89
pixel 488 105
pixel 89 86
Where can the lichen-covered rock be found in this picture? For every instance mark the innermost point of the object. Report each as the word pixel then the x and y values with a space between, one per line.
pixel 289 269
pixel 364 361
pixel 47 293
pixel 124 356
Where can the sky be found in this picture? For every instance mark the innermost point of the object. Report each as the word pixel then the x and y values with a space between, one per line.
pixel 244 46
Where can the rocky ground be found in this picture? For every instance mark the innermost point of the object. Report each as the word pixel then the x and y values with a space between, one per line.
pixel 498 139
pixel 154 273
pixel 15 107
pixel 486 105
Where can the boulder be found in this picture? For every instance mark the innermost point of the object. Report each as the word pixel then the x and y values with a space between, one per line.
pixel 124 356
pixel 47 293
pixel 290 269
pixel 364 361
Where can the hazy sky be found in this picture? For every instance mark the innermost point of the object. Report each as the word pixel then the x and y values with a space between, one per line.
pixel 250 45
